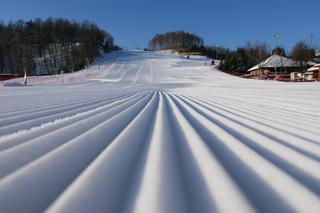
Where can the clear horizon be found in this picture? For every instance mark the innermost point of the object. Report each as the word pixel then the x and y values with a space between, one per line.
pixel 229 23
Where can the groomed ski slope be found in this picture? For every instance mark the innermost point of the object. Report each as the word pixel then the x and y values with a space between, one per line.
pixel 154 132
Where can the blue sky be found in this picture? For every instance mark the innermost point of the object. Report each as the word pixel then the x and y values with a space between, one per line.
pixel 228 23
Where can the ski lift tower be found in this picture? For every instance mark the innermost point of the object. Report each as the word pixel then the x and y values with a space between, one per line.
pixel 277 38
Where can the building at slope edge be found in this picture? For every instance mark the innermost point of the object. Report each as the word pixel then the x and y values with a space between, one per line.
pixel 275 65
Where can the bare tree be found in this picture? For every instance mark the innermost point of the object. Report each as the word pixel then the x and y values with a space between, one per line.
pixel 52 45
pixel 302 52
pixel 178 40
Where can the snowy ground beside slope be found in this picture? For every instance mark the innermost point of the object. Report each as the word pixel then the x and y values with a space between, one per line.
pixel 155 132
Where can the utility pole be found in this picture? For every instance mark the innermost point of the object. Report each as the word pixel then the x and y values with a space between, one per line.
pixel 277 38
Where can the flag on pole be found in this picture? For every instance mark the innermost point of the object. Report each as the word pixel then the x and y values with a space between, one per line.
pixel 277 35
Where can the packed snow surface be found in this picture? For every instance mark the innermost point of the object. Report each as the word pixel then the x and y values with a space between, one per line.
pixel 155 132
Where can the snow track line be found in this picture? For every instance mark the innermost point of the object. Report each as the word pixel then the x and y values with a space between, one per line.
pixel 157 186
pixel 112 168
pixel 268 122
pixel 40 146
pixel 58 114
pixel 117 71
pixel 292 140
pixel 275 111
pixel 151 72
pixel 42 113
pixel 267 114
pixel 125 72
pixel 203 172
pixel 39 171
pixel 163 135
pixel 294 163
pixel 56 104
pixel 30 107
pixel 23 136
pixel 136 78
pixel 250 162
pixel 255 104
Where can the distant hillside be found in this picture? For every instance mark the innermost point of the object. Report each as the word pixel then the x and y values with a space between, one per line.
pixel 44 47
pixel 179 40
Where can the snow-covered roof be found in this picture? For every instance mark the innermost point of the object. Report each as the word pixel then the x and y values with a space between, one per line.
pixel 254 68
pixel 313 69
pixel 316 67
pixel 276 61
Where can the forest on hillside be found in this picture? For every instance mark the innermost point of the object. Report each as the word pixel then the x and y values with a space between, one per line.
pixel 178 40
pixel 42 47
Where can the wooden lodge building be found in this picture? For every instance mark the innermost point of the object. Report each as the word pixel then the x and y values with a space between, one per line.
pixel 275 65
pixel 314 72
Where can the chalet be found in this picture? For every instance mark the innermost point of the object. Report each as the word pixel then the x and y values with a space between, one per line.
pixel 314 72
pixel 275 65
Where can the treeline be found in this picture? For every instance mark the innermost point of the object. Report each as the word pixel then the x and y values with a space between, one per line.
pixel 185 42
pixel 179 40
pixel 243 58
pixel 50 46
pixel 214 52
pixel 233 61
